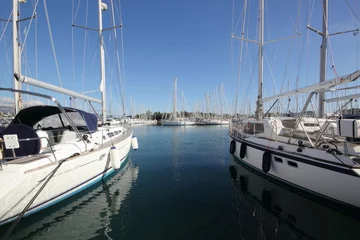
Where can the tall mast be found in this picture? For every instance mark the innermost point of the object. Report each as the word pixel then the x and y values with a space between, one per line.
pixel 16 55
pixel 175 98
pixel 323 56
pixel 259 102
pixel 221 96
pixel 102 62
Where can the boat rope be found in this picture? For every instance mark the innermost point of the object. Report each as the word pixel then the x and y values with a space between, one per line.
pixel 311 10
pixel 6 59
pixel 29 26
pixel 36 48
pixel 333 67
pixel 240 56
pixel 291 47
pixel 72 47
pixel 85 45
pixel 52 42
pixel 119 70
pixel 77 10
pixel 352 10
pixel 7 23
pixel 11 228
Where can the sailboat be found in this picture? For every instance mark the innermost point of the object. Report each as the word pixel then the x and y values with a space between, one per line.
pixel 318 155
pixel 89 215
pixel 174 120
pixel 49 153
pixel 280 211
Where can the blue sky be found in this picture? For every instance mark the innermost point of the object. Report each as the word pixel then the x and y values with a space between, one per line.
pixel 189 39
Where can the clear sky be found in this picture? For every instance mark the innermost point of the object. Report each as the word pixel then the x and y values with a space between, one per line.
pixel 189 39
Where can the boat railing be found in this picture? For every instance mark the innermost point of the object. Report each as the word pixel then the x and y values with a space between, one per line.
pixel 62 110
pixel 105 132
pixel 47 147
pixel 4 159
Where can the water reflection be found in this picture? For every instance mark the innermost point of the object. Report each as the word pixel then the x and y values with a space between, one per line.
pixel 264 209
pixel 88 216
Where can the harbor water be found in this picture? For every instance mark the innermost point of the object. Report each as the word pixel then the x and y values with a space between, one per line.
pixel 183 183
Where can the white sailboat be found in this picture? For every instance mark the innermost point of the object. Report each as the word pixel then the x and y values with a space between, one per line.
pixel 175 121
pixel 49 153
pixel 319 155
pixel 87 215
pixel 271 203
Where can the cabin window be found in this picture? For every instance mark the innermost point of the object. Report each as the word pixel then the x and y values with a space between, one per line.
pixel 60 121
pixel 288 123
pixel 311 124
pixel 277 159
pixel 254 127
pixel 110 134
pixel 293 164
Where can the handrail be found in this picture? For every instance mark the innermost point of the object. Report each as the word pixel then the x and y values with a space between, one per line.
pixel 31 139
pixel 62 110
pixel 103 133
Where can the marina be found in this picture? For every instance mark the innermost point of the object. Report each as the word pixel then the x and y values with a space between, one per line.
pixel 165 192
pixel 115 122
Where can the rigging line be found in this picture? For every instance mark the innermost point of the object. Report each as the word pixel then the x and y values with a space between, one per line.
pixel 122 63
pixel 29 26
pixel 352 10
pixel 271 73
pixel 292 42
pixel 310 13
pixel 36 44
pixel 301 52
pixel 268 24
pixel 122 53
pixel 72 45
pixel 76 12
pixel 240 57
pixel 112 82
pixel 122 58
pixel 329 43
pixel 107 56
pixel 52 42
pixel 50 176
pixel 251 67
pixel 232 15
pixel 85 41
pixel 250 82
pixel 117 56
pixel 6 60
pixel 238 21
pixel 353 18
pixel 7 23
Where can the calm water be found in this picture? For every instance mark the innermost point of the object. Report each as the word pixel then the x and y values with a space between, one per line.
pixel 178 186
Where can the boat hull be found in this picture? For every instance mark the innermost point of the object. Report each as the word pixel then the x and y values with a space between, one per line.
pixel 177 123
pixel 73 176
pixel 314 171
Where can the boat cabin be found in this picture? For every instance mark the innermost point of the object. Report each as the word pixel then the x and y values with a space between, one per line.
pixel 37 127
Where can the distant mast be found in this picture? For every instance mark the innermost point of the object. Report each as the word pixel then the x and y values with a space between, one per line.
pixel 221 99
pixel 175 99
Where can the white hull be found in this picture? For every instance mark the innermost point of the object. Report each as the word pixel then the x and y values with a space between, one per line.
pixel 312 170
pixel 300 212
pixel 89 212
pixel 217 122
pixel 74 175
pixel 177 123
